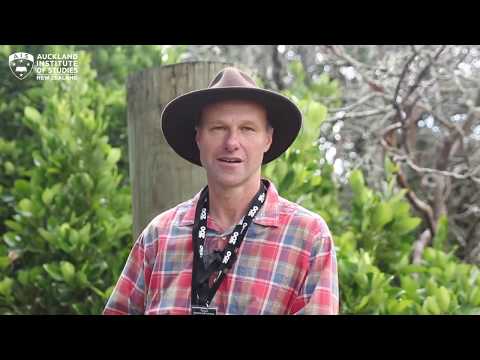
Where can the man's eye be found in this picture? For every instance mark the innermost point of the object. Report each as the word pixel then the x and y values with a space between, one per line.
pixel 218 128
pixel 246 128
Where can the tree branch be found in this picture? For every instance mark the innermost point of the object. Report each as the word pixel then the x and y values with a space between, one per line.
pixel 419 169
pixel 354 105
pixel 420 245
pixel 402 75
pixel 424 71
pixel 360 114
pixel 421 206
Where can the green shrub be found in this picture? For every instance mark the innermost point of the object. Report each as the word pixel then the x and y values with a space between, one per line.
pixel 71 231
pixel 65 215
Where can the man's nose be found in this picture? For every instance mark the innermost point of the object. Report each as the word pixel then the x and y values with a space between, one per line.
pixel 232 141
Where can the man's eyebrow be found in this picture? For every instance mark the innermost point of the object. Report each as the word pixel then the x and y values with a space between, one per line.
pixel 218 121
pixel 213 122
pixel 249 122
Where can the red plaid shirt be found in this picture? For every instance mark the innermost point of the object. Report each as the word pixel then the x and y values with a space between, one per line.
pixel 286 264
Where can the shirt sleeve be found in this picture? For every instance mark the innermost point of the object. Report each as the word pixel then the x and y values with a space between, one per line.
pixel 128 296
pixel 319 292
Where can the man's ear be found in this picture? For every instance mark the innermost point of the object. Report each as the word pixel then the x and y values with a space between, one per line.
pixel 270 138
pixel 196 134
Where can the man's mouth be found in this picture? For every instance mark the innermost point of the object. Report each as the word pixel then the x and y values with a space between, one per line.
pixel 230 160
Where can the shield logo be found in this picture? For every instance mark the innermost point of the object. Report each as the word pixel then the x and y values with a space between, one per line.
pixel 21 64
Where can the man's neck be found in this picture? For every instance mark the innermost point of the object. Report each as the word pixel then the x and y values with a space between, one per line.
pixel 229 205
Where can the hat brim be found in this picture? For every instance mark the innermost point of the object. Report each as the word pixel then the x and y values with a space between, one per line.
pixel 180 115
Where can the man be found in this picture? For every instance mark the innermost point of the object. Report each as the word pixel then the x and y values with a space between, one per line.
pixel 237 247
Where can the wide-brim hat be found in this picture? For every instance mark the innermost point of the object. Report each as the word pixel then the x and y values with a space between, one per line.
pixel 182 113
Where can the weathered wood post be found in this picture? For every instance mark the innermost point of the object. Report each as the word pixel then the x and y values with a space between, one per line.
pixel 160 178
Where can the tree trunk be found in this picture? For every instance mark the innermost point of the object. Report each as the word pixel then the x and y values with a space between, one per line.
pixel 160 178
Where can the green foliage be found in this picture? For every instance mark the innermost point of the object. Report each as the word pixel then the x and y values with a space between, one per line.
pixel 65 216
pixel 373 231
pixel 439 241
pixel 297 172
pixel 67 241
pixel 112 65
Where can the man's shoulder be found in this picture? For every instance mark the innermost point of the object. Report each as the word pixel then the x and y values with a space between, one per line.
pixel 174 215
pixel 298 214
pixel 163 223
pixel 294 209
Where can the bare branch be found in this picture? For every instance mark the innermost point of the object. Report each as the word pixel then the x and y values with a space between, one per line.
pixel 354 105
pixel 360 67
pixel 417 203
pixel 419 169
pixel 420 205
pixel 402 75
pixel 360 114
pixel 424 71
pixel 420 245
pixel 413 82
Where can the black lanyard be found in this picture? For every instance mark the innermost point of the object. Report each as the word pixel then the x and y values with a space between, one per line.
pixel 202 293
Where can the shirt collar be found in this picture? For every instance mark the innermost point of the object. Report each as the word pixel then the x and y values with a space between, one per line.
pixel 267 215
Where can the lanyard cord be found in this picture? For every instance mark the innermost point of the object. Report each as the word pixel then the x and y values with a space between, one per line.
pixel 202 294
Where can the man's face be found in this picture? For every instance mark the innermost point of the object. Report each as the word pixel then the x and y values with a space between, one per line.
pixel 232 137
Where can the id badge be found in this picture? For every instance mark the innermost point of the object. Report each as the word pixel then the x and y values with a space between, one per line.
pixel 203 310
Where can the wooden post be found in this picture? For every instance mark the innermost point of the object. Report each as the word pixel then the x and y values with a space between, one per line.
pixel 160 178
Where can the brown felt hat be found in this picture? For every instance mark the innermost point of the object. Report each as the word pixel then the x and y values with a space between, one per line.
pixel 181 114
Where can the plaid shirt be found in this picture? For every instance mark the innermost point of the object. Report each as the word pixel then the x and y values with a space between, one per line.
pixel 286 264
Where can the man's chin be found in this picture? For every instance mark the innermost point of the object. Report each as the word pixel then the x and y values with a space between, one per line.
pixel 228 180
